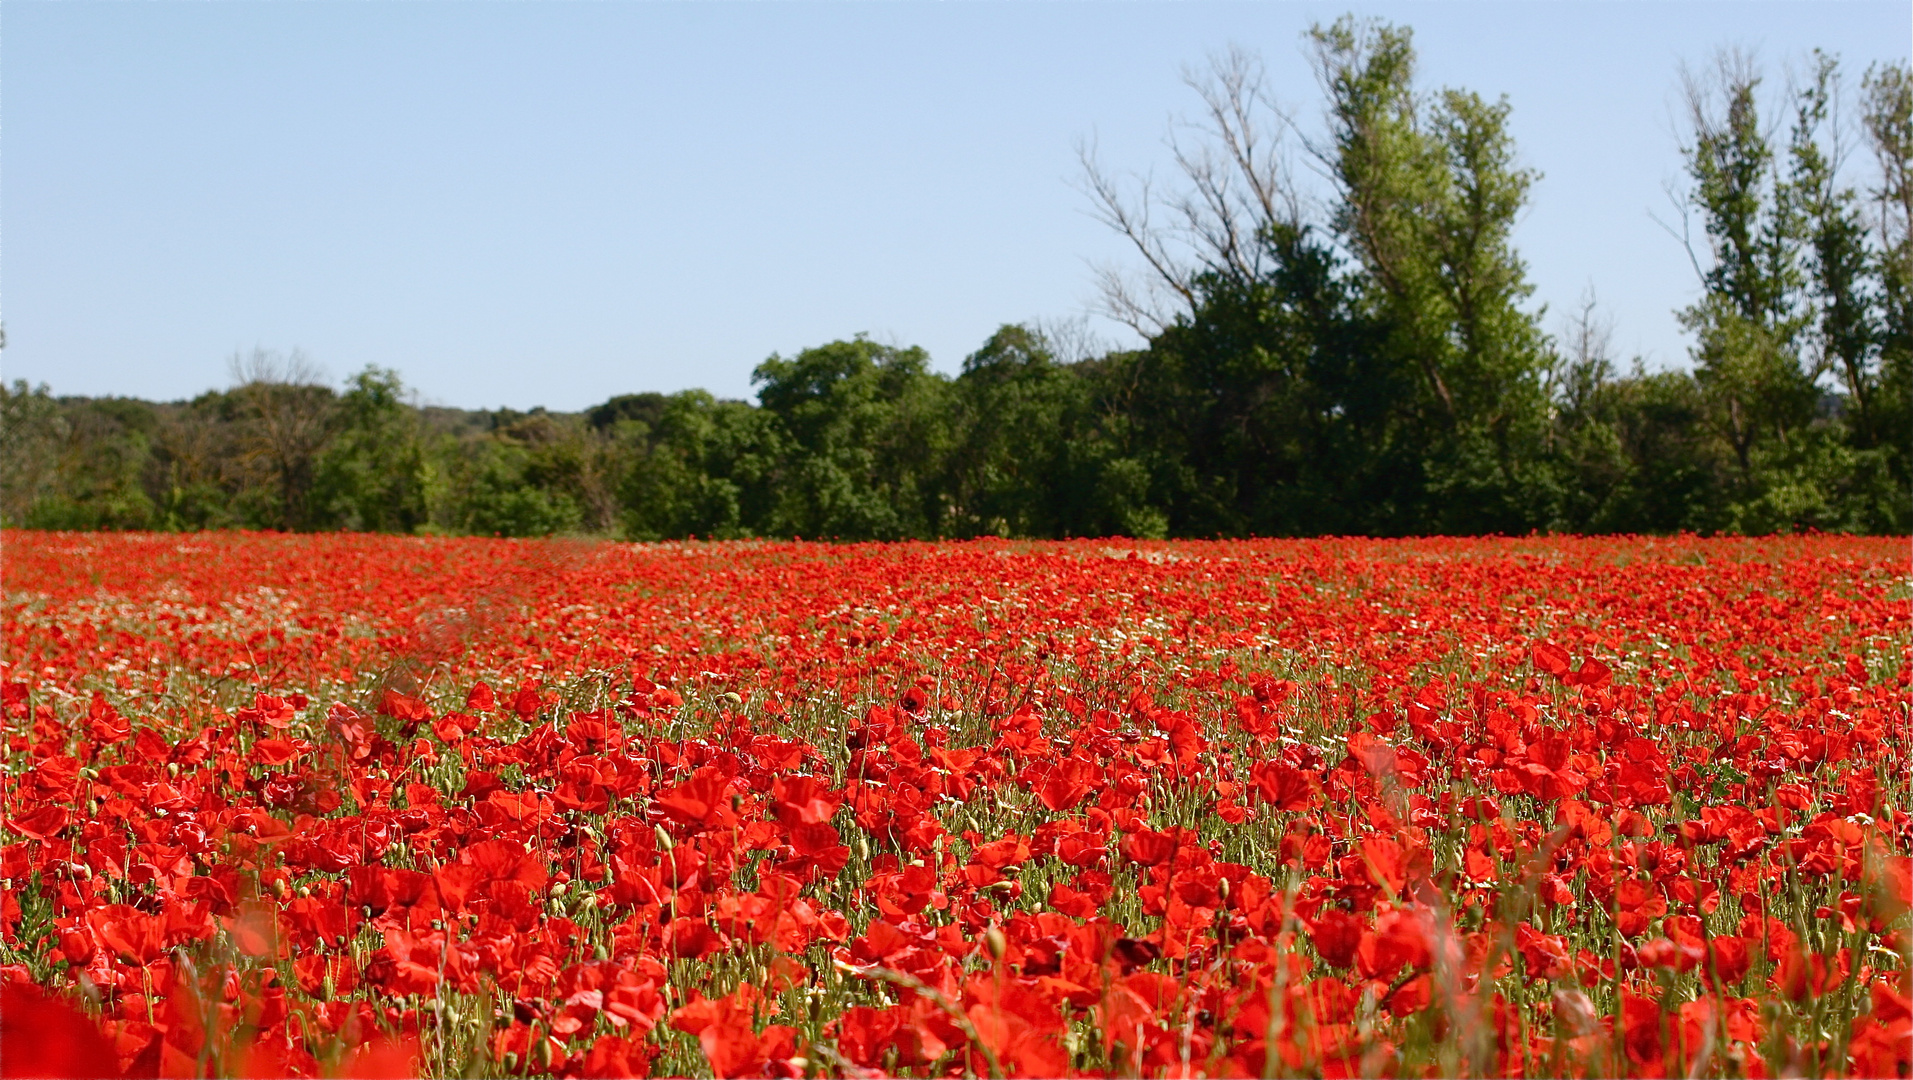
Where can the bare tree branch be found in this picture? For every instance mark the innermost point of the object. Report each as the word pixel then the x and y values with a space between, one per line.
pixel 287 418
pixel 1236 188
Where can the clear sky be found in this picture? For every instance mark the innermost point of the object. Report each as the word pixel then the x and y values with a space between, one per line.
pixel 548 204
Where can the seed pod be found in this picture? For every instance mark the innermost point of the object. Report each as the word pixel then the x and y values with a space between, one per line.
pixel 998 944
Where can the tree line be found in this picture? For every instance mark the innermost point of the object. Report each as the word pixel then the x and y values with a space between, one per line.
pixel 1357 357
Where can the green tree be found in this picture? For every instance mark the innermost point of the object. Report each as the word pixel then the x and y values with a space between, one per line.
pixel 31 434
pixel 1635 447
pixel 1887 114
pixel 1372 369
pixel 1748 323
pixel 1844 328
pixel 489 493
pixel 1273 409
pixel 75 463
pixel 702 471
pixel 864 428
pixel 1038 449
pixel 1793 296
pixel 195 474
pixel 374 474
pixel 1429 191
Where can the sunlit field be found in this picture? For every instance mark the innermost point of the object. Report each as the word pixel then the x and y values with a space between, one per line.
pixel 350 804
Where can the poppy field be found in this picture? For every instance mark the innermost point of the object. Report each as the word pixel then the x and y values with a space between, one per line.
pixel 364 805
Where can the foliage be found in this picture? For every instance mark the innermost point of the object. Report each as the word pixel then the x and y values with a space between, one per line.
pixel 373 474
pixel 867 428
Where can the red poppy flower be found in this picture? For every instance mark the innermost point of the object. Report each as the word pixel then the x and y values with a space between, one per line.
pixel 41 1036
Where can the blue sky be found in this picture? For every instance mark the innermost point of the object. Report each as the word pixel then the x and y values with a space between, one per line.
pixel 547 204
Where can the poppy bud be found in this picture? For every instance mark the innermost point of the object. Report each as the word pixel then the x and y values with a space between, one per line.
pixel 1222 889
pixel 558 890
pixel 732 697
pixel 665 843
pixel 172 768
pixel 997 943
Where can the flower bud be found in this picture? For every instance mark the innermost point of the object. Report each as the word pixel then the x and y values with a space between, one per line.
pixel 998 944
